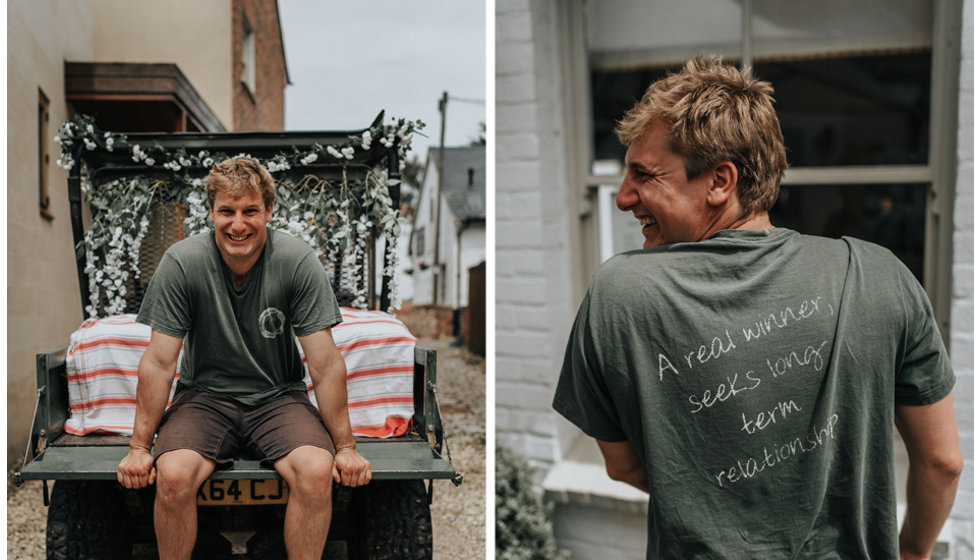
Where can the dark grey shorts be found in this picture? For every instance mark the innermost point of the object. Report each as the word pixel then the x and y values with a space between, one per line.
pixel 221 429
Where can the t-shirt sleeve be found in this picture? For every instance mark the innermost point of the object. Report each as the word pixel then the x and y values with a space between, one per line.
pixel 582 395
pixel 166 305
pixel 313 306
pixel 925 374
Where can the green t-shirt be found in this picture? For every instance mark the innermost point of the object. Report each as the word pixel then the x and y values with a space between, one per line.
pixel 240 342
pixel 756 373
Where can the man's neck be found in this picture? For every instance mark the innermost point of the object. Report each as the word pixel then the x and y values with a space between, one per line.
pixel 240 269
pixel 759 220
pixel 729 219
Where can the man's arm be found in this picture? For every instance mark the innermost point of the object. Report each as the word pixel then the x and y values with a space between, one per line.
pixel 156 372
pixel 935 462
pixel 624 464
pixel 329 375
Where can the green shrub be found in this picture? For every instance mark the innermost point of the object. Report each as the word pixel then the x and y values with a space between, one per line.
pixel 524 531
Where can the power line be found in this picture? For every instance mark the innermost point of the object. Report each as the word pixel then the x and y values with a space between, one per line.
pixel 464 100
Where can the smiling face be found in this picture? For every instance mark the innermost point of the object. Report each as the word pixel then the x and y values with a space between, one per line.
pixel 239 228
pixel 670 207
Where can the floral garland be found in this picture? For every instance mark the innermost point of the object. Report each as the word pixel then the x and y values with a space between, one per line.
pixel 335 219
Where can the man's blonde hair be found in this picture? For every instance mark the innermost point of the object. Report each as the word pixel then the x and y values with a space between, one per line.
pixel 714 112
pixel 239 175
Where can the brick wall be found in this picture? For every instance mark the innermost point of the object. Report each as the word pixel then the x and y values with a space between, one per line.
pixel 534 307
pixel 262 109
pixel 961 314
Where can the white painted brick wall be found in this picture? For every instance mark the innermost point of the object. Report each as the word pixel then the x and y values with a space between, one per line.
pixel 533 307
pixel 961 319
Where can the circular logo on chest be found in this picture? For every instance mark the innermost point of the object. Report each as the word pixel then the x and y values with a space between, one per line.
pixel 272 322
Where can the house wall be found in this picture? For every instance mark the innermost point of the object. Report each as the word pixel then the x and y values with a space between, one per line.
pixel 178 31
pixel 471 246
pixel 961 520
pixel 534 303
pixel 451 253
pixel 261 109
pixel 404 281
pixel 42 287
pixel 43 304
pixel 424 218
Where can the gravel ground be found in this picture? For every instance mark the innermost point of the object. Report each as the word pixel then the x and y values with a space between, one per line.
pixel 458 514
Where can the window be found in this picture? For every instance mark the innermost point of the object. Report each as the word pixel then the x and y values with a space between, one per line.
pixel 248 55
pixel 861 91
pixel 43 154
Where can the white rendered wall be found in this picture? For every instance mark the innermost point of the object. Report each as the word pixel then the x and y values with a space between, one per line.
pixel 177 31
pixel 43 303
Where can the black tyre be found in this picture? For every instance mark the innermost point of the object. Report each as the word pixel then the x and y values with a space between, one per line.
pixel 392 521
pixel 86 521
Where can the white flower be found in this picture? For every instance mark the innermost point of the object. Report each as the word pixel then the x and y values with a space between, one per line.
pixel 89 129
pixel 348 152
pixel 333 151
pixel 57 140
pixel 108 144
pixel 366 140
pixel 89 145
pixel 309 158
pixel 208 162
pixel 150 161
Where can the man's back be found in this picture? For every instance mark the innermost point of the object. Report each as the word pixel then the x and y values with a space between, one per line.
pixel 756 374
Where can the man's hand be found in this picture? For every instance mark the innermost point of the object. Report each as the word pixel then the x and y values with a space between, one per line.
pixel 350 468
pixel 136 470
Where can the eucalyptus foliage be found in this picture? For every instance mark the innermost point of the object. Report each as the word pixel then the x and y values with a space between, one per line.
pixel 336 218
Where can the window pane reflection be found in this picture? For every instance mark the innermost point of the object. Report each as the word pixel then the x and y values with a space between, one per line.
pixel 855 110
pixel 890 215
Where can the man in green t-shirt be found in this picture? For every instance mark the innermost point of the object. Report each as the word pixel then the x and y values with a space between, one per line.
pixel 748 377
pixel 234 298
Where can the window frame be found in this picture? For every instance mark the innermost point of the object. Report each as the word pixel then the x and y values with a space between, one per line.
pixel 939 172
pixel 44 155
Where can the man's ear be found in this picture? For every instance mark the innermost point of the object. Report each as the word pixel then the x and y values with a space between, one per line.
pixel 724 178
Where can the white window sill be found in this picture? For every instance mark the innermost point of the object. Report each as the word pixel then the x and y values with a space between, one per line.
pixel 581 479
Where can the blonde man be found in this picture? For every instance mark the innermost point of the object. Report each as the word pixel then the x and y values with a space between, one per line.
pixel 235 297
pixel 747 376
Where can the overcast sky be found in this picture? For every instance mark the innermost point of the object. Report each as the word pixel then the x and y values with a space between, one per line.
pixel 349 60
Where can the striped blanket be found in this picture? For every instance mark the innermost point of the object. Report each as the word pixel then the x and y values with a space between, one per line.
pixel 377 348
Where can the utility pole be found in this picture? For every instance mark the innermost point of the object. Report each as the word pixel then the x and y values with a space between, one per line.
pixel 436 265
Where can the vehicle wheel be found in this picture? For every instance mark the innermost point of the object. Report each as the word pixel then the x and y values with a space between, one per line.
pixel 86 521
pixel 392 521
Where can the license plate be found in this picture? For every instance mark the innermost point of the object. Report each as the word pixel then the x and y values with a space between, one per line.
pixel 242 492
